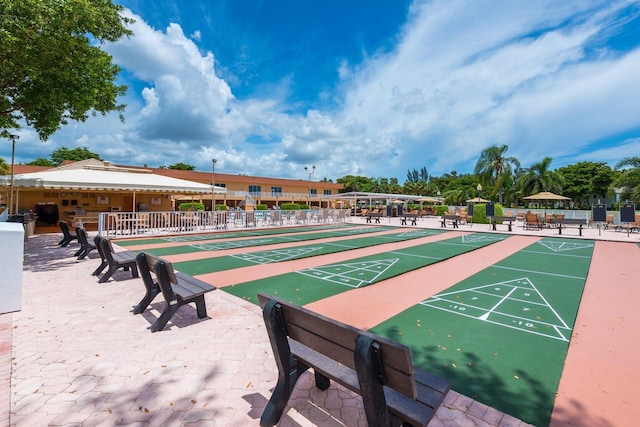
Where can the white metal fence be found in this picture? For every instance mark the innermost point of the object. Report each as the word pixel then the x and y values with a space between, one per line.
pixel 118 224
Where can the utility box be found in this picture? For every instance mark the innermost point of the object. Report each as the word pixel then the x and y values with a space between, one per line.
pixel 12 255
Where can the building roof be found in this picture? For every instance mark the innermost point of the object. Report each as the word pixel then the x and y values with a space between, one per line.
pixel 96 175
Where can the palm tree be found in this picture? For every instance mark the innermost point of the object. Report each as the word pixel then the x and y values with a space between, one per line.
pixel 540 178
pixel 633 161
pixel 491 166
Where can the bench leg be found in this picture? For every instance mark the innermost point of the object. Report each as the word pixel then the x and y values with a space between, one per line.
pixel 368 361
pixel 79 251
pixel 167 314
pixel 144 302
pixel 288 368
pixel 322 382
pixel 201 307
pixel 107 275
pixel 101 267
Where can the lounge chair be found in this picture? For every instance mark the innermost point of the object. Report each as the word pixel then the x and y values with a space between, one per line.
pixel 531 221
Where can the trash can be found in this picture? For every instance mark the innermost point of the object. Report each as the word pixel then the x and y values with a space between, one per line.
pixel 28 220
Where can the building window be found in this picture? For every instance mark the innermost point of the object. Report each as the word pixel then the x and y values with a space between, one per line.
pixel 313 191
pixel 276 191
pixel 255 190
pixel 327 192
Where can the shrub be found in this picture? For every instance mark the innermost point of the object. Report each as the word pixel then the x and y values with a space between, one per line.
pixel 480 213
pixel 290 207
pixel 221 207
pixel 440 210
pixel 194 206
pixel 262 207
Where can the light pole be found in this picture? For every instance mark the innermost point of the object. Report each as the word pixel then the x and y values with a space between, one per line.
pixel 309 172
pixel 213 185
pixel 13 155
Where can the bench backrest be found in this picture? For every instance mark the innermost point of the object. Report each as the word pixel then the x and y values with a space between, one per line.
pixel 337 341
pixel 163 270
pixel 64 227
pixel 97 242
pixel 82 236
pixel 107 250
pixel 147 265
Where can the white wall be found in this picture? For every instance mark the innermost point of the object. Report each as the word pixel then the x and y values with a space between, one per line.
pixel 11 258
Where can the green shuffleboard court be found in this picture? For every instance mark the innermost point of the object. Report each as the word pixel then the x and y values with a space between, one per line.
pixel 211 265
pixel 231 234
pixel 262 241
pixel 502 335
pixel 305 286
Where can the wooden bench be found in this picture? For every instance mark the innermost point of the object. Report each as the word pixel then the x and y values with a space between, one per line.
pixel 509 220
pixel 67 235
pixel 85 245
pixel 177 288
pixel 380 370
pixel 570 221
pixel 413 217
pixel 376 215
pixel 115 260
pixel 453 219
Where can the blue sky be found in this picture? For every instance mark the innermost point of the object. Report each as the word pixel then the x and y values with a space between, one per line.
pixel 368 87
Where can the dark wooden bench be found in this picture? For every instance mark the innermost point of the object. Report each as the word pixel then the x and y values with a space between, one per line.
pixel 376 216
pixel 453 219
pixel 177 288
pixel 570 221
pixel 412 217
pixel 114 261
pixel 85 246
pixel 509 220
pixel 380 370
pixel 67 235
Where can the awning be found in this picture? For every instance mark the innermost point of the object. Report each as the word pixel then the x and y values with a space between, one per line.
pixel 106 180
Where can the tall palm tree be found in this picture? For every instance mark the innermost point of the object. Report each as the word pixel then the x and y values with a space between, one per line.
pixel 540 178
pixel 633 161
pixel 491 166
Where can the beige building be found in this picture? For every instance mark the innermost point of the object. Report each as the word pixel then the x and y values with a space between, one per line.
pixel 233 191
pixel 248 191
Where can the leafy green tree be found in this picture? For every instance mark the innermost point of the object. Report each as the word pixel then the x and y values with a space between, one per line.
pixel 81 153
pixel 491 166
pixel 629 180
pixel 40 161
pixel 583 179
pixel 4 167
pixel 182 167
pixel 52 70
pixel 353 183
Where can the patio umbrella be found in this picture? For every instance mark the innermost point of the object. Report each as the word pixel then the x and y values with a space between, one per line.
pixel 546 195
pixel 477 200
pixel 429 200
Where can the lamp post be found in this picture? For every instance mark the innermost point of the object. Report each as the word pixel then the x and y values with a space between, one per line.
pixel 309 172
pixel 13 154
pixel 479 188
pixel 213 185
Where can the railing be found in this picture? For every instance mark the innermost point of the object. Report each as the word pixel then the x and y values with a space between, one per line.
pixel 122 224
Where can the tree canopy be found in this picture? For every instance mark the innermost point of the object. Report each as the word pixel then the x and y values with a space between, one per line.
pixel 53 69
pixel 182 167
pixel 81 153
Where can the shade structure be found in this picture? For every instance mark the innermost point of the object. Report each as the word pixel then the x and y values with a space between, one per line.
pixel 546 195
pixel 107 180
pixel 477 200
pixel 397 202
